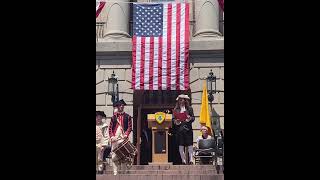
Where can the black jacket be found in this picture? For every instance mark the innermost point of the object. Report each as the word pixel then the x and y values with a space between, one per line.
pixel 188 125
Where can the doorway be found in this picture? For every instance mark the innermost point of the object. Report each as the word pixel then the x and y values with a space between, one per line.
pixel 150 102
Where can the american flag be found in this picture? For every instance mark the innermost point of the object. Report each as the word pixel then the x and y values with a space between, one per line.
pixel 221 3
pixel 99 7
pixel 160 46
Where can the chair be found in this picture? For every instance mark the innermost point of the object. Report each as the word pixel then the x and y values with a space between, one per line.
pixel 205 154
pixel 220 154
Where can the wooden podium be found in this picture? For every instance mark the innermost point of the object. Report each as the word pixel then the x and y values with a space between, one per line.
pixel 160 124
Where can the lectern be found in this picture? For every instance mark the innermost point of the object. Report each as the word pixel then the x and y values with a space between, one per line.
pixel 160 123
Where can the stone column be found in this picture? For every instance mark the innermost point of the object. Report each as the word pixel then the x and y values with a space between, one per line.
pixel 117 21
pixel 221 24
pixel 207 18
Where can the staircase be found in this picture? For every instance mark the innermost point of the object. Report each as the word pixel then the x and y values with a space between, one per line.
pixel 163 172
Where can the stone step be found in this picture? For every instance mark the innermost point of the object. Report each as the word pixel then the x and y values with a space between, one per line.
pixel 211 171
pixel 168 167
pixel 159 177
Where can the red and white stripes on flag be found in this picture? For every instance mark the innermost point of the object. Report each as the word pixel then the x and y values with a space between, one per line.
pixel 221 3
pixel 99 7
pixel 161 62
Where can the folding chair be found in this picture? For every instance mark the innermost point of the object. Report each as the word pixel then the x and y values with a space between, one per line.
pixel 205 154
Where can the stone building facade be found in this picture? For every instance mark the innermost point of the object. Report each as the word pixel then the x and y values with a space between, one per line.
pixel 113 53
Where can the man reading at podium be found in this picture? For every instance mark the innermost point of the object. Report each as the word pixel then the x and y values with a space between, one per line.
pixel 183 119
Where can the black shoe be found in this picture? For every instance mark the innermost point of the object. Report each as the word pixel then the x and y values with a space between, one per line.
pixel 183 163
pixel 190 163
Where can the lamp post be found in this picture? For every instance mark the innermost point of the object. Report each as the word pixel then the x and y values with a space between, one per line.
pixel 212 86
pixel 212 89
pixel 113 87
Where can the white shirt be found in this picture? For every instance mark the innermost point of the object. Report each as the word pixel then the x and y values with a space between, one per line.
pixel 102 135
pixel 182 109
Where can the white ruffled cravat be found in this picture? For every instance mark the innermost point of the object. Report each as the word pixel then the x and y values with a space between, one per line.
pixel 182 109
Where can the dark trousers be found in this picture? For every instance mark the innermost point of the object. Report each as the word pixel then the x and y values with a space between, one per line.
pixel 106 152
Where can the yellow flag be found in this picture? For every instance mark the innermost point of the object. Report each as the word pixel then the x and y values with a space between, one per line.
pixel 205 118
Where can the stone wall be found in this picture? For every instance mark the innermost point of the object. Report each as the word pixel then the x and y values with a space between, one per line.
pixel 205 19
pixel 200 65
pixel 104 69
pixel 198 73
pixel 113 49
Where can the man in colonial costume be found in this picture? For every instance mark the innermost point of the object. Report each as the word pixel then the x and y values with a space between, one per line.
pixel 119 130
pixel 183 119
pixel 101 140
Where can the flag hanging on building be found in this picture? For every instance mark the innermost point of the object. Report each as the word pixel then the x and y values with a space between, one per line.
pixel 99 7
pixel 160 46
pixel 221 3
pixel 205 118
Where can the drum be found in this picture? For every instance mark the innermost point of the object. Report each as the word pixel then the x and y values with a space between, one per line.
pixel 125 151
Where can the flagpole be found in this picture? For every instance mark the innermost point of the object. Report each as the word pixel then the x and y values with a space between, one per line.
pixel 214 123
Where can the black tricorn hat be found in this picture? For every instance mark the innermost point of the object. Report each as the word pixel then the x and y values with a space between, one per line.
pixel 120 102
pixel 101 113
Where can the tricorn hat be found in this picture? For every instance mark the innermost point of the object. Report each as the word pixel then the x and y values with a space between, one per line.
pixel 101 113
pixel 119 103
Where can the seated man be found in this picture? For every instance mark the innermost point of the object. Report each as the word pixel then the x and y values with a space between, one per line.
pixel 205 135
